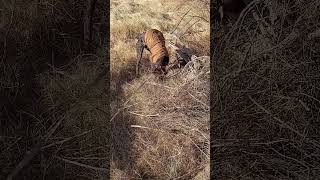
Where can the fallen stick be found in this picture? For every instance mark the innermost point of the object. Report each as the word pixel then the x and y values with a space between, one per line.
pixel 33 152
pixel 83 165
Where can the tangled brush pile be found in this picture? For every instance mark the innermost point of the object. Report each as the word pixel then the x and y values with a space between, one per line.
pixel 266 93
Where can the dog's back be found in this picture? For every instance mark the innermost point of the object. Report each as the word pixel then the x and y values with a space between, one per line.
pixel 152 37
pixel 155 42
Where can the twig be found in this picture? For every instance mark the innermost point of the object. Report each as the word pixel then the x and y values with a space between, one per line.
pixel 287 157
pixel 204 104
pixel 119 110
pixel 143 115
pixel 83 165
pixel 311 97
pixel 77 58
pixel 180 21
pixel 65 140
pixel 197 146
pixel 160 85
pixel 282 123
pixel 188 29
pixel 201 18
pixel 202 134
pixel 144 127
pixel 249 144
pixel 240 19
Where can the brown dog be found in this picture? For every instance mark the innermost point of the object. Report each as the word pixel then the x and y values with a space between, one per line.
pixel 154 42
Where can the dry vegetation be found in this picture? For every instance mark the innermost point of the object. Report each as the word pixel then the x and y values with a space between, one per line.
pixel 160 129
pixel 266 93
pixel 54 103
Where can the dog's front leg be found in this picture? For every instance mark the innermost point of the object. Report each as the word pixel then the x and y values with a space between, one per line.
pixel 139 48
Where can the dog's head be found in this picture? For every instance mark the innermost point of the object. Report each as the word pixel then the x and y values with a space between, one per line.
pixel 160 66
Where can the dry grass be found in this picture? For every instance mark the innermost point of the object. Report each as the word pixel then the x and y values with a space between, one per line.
pixel 69 94
pixel 266 94
pixel 53 109
pixel 160 129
